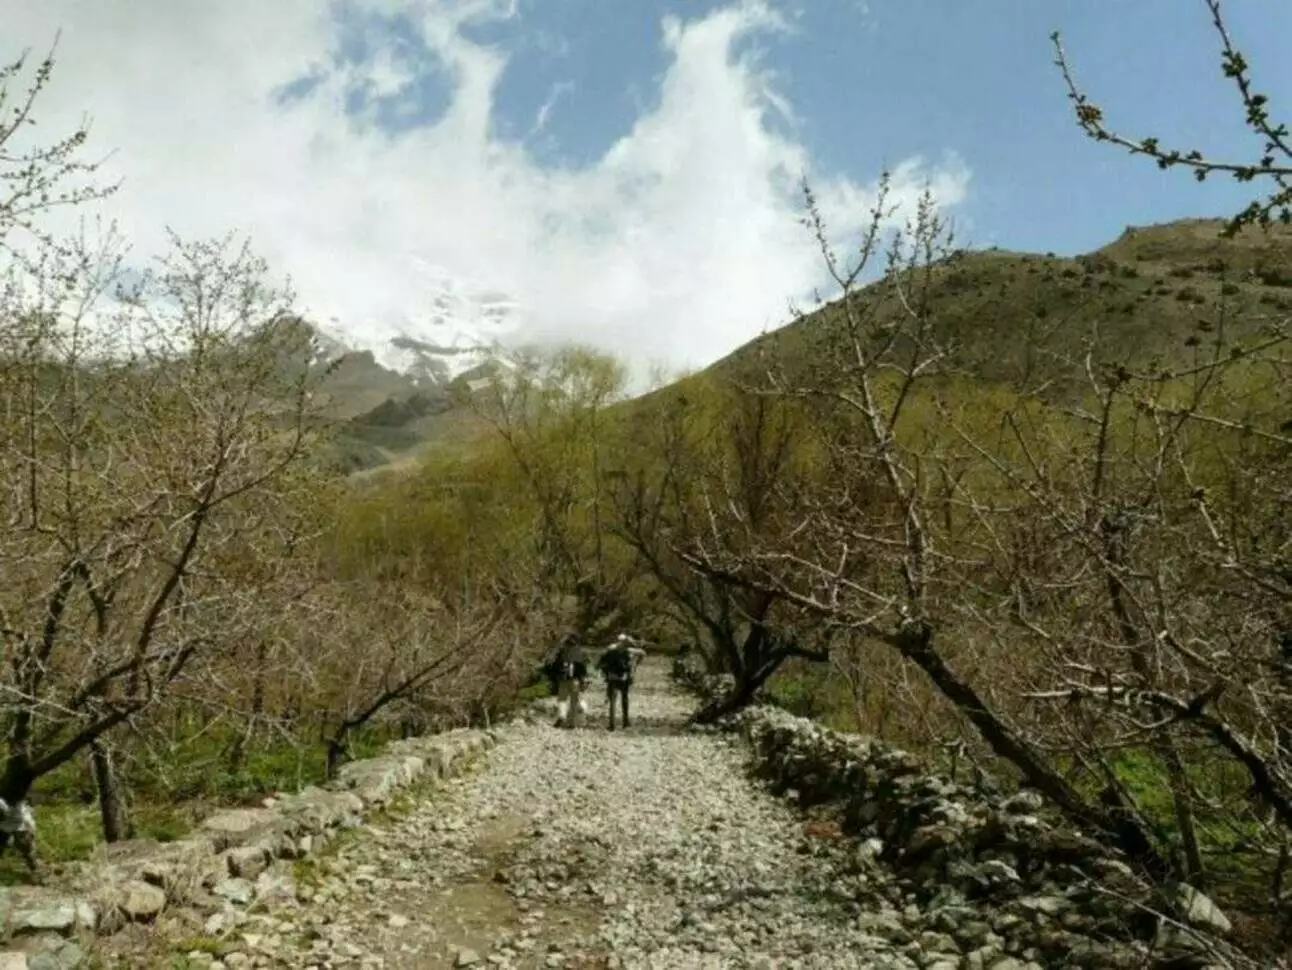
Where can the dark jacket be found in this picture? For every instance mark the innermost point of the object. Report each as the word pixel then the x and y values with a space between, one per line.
pixel 569 663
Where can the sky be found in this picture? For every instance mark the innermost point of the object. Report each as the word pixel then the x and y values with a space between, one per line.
pixel 627 171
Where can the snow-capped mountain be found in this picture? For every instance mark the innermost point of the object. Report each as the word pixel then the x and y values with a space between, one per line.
pixel 459 328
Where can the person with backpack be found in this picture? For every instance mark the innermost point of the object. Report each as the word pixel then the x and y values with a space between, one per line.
pixel 18 825
pixel 568 674
pixel 617 664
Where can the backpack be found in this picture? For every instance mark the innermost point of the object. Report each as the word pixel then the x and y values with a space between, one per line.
pixel 617 664
pixel 569 663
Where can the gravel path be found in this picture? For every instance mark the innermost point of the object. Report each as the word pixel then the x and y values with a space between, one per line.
pixel 648 848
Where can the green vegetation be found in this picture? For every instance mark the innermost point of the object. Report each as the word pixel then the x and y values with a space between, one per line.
pixel 1017 512
pixel 196 609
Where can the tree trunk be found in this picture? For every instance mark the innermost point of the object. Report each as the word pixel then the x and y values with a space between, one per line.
pixel 1164 745
pixel 726 704
pixel 238 750
pixel 740 696
pixel 761 655
pixel 112 805
pixel 916 644
pixel 1182 798
pixel 236 757
pixel 16 782
pixel 337 755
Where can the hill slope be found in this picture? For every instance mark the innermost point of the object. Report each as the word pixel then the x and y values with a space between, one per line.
pixel 1147 296
pixel 384 417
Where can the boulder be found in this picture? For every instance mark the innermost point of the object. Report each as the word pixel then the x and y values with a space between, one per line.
pixel 314 809
pixel 275 884
pixel 238 825
pixel 375 780
pixel 35 909
pixel 1199 911
pixel 177 867
pixel 925 841
pixel 240 892
pixel 51 953
pixel 180 866
pixel 141 901
pixel 249 861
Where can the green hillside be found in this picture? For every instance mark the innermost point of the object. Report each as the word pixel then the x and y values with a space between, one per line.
pixel 1151 295
pixel 1148 296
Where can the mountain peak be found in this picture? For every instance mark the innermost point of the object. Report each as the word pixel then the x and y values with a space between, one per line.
pixel 456 327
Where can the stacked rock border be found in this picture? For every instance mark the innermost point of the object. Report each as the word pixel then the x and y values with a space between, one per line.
pixel 1013 885
pixel 232 859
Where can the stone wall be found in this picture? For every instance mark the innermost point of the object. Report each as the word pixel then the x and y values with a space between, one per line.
pixel 230 861
pixel 1010 885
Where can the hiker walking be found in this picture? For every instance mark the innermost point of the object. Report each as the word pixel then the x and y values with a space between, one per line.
pixel 568 672
pixel 617 663
pixel 18 825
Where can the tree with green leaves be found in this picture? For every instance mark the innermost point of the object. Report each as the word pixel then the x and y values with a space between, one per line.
pixel 708 462
pixel 550 413
pixel 427 574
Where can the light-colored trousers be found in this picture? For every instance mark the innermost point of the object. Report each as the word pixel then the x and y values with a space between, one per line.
pixel 571 705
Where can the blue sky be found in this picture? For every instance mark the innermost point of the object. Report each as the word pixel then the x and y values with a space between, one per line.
pixel 624 170
pixel 870 83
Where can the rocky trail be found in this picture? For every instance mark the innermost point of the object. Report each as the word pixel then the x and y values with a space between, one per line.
pixel 644 848
pixel 653 848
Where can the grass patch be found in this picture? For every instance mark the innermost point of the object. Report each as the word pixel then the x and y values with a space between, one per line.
pixel 169 793
pixel 813 691
pixel 533 693
pixel 200 944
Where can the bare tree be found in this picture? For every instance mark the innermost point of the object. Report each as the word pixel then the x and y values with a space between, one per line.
pixel 886 550
pixel 1193 539
pixel 1084 575
pixel 148 447
pixel 1272 166
pixel 388 647
pixel 37 176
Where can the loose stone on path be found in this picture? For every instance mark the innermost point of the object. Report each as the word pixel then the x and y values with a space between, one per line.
pixel 646 849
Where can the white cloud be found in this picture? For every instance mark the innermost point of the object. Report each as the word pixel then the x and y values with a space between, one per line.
pixel 680 243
